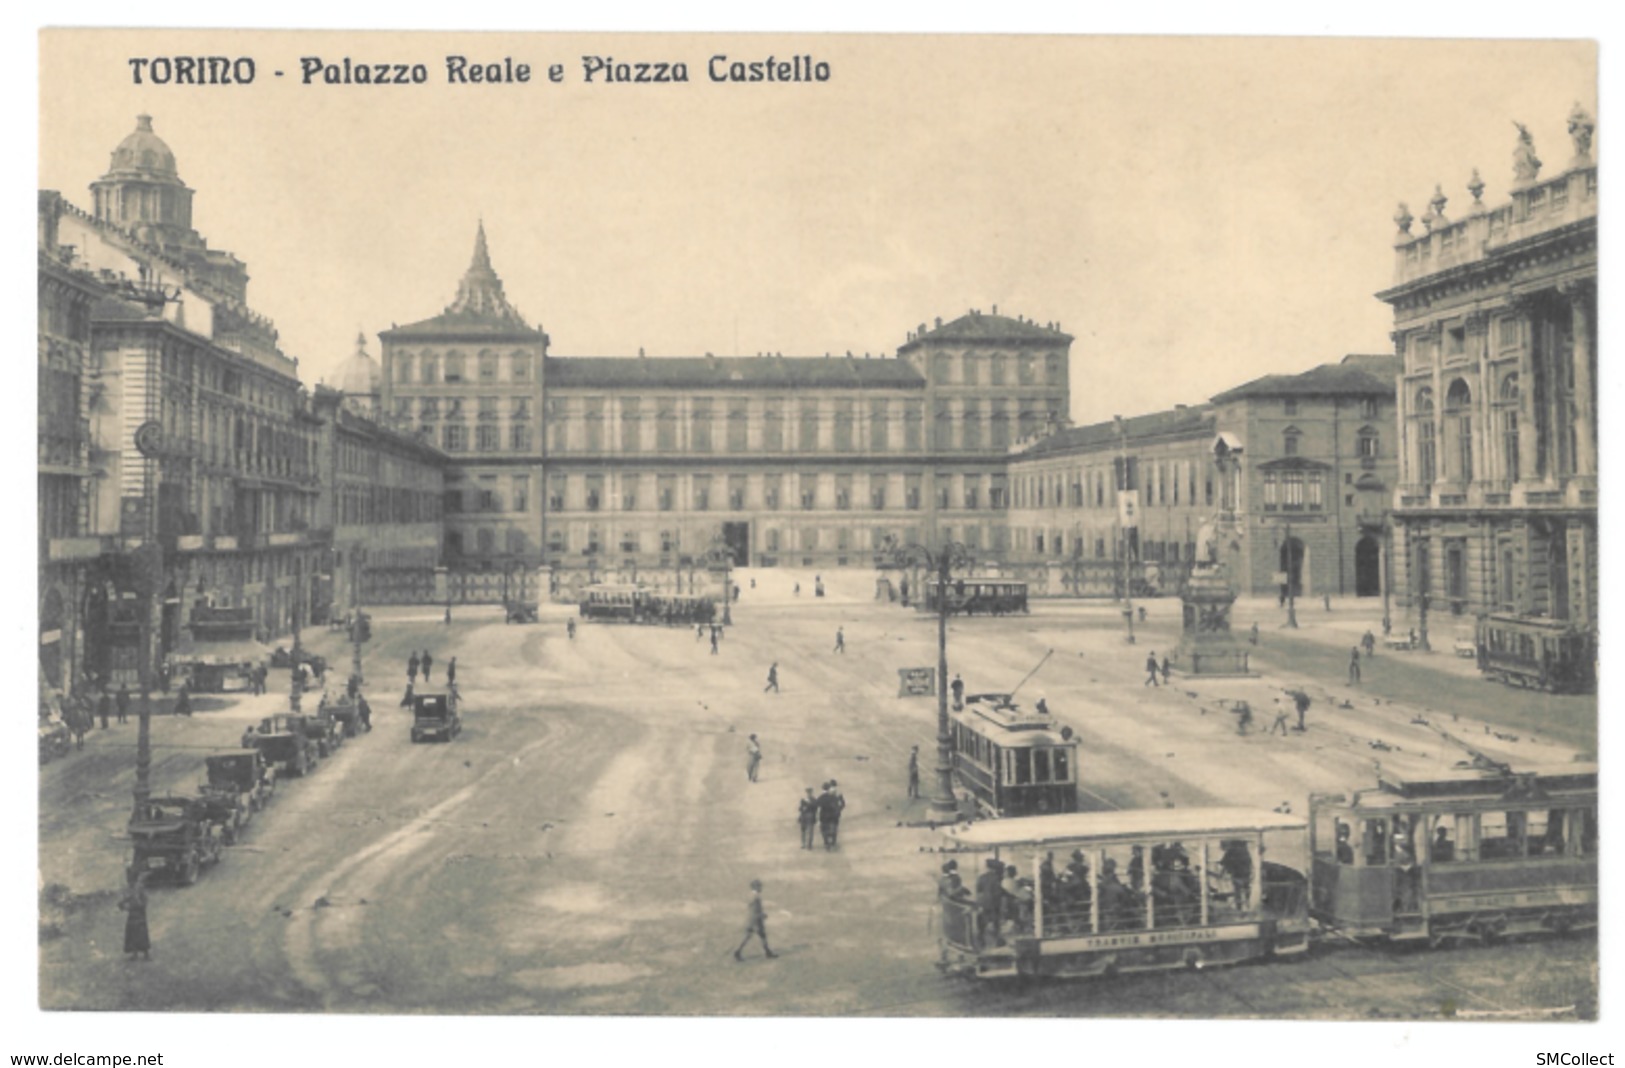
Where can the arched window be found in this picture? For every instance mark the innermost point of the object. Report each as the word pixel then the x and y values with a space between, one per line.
pixel 1458 409
pixel 403 367
pixel 520 367
pixel 1427 459
pixel 1508 416
pixel 430 370
pixel 488 367
pixel 454 367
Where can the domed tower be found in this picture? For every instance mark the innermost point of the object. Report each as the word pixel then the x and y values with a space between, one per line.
pixel 361 380
pixel 143 193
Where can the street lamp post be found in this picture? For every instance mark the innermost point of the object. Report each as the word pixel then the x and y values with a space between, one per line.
pixel 1291 587
pixel 948 556
pixel 721 554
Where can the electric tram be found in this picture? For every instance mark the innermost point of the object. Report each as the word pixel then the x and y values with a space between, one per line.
pixel 970 597
pixel 1466 856
pixel 1103 893
pixel 1012 761
pixel 626 603
pixel 1541 654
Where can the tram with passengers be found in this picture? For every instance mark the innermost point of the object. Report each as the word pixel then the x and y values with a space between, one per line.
pixel 1013 761
pixel 1540 654
pixel 1114 892
pixel 627 603
pixel 977 596
pixel 1467 856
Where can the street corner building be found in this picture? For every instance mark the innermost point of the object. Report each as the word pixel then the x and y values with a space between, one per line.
pixel 185 474
pixel 1290 474
pixel 1495 320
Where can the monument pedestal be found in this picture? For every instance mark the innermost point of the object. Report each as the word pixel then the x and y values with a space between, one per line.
pixel 1206 645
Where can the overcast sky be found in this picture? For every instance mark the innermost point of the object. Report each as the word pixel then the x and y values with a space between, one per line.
pixel 1196 212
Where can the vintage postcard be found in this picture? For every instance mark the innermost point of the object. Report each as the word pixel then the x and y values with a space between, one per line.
pixel 820 525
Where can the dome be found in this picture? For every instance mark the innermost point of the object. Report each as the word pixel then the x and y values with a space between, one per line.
pixel 359 375
pixel 143 151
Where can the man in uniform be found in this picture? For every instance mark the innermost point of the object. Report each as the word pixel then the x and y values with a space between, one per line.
pixel 755 922
pixel 958 688
pixel 412 667
pixel 427 661
pixel 837 806
pixel 914 773
pixel 807 817
pixel 753 758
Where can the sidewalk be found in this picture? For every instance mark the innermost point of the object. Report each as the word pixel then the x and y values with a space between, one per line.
pixel 1347 622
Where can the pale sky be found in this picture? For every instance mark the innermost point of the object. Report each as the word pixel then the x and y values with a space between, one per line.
pixel 1196 211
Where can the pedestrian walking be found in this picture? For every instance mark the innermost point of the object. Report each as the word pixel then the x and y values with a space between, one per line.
pixel 426 661
pixel 448 615
pixel 451 672
pixel 1253 634
pixel 713 641
pixel 958 688
pixel 183 700
pixel 807 818
pixel 699 632
pixel 1354 665
pixel 840 639
pixel 755 922
pixel 365 710
pixel 78 722
pixel 1151 669
pixel 1369 644
pixel 412 667
pixel 1301 700
pixel 772 678
pixel 753 758
pixel 827 815
pixel 121 703
pixel 104 708
pixel 1280 718
pixel 1142 613
pixel 914 773
pixel 1244 717
pixel 1165 669
pixel 137 940
pixel 570 628
pixel 837 806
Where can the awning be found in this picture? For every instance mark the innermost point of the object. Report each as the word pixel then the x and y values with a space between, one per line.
pixel 219 654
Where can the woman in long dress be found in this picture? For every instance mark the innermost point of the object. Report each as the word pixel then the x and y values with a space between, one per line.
pixel 134 904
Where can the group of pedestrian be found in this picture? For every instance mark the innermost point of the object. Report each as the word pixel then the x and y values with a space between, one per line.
pixel 1155 669
pixel 823 811
pixel 416 663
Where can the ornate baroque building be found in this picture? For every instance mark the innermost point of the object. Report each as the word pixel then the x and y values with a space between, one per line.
pixel 1495 318
pixel 638 467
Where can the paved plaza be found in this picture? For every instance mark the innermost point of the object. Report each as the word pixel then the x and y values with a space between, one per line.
pixel 587 844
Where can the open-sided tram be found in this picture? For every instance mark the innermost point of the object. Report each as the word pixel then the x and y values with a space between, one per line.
pixel 627 603
pixel 1012 761
pixel 1104 893
pixel 1540 654
pixel 1464 856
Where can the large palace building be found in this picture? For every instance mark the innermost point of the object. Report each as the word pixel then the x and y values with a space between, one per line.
pixel 639 467
pixel 1495 317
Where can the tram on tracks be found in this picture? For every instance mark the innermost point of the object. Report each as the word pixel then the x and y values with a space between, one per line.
pixel 976 597
pixel 1107 893
pixel 1540 654
pixel 628 603
pixel 1464 856
pixel 1013 761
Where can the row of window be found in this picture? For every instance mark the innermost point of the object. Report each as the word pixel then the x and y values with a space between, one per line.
pixel 631 542
pixel 1456 429
pixel 998 367
pixel 1293 491
pixel 811 491
pixel 455 367
pixel 1173 482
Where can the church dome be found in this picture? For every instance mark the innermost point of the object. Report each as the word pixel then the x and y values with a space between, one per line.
pixel 359 375
pixel 144 152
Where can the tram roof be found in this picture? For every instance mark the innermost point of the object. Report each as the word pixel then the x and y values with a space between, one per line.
pixel 1138 824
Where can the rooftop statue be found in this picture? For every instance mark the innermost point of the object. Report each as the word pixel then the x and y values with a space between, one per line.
pixel 1581 127
pixel 1525 164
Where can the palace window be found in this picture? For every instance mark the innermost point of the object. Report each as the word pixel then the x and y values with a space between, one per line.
pixel 631 425
pixel 878 429
pixel 488 367
pixel 454 368
pixel 519 437
pixel 456 437
pixel 1426 447
pixel 773 426
pixel 487 437
pixel 519 367
pixel 738 425
pixel 666 492
pixel 700 428
pixel 1458 403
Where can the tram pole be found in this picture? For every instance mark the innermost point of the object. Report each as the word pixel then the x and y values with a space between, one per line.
pixel 943 803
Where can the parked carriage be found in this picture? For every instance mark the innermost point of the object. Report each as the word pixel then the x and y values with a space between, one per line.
pixel 1470 855
pixel 972 597
pixel 1540 654
pixel 1113 892
pixel 1012 761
